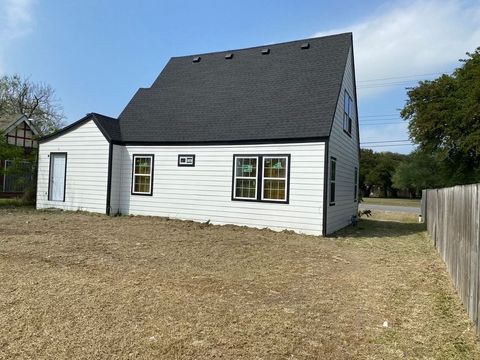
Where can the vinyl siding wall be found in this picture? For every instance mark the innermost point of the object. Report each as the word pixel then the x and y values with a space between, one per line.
pixel 87 169
pixel 117 152
pixel 204 192
pixel 345 149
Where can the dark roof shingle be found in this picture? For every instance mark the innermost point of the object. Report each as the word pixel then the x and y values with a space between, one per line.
pixel 290 93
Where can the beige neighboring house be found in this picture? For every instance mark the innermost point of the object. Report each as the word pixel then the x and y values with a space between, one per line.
pixel 19 131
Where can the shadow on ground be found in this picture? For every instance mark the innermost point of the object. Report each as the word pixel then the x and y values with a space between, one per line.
pixel 369 228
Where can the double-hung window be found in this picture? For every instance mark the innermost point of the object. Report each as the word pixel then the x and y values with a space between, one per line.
pixel 275 178
pixel 347 113
pixel 261 178
pixel 246 173
pixel 142 174
pixel 333 176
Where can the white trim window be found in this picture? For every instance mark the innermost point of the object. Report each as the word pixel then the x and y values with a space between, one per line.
pixel 275 178
pixel 246 174
pixel 347 113
pixel 142 174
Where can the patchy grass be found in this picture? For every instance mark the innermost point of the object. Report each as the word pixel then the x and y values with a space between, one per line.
pixel 13 202
pixel 84 286
pixel 390 201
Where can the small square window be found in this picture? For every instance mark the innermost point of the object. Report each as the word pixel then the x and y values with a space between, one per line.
pixel 186 160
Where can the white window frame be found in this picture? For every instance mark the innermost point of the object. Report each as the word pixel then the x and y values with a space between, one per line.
pixel 235 177
pixel 287 168
pixel 141 156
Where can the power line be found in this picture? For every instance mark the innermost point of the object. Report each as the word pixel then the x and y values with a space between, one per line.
pixel 384 123
pixel 388 145
pixel 402 77
pixel 375 116
pixel 385 141
pixel 380 119
pixel 398 83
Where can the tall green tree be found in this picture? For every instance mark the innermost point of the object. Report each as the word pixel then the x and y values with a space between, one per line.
pixel 444 119
pixel 419 171
pixel 377 169
pixel 35 100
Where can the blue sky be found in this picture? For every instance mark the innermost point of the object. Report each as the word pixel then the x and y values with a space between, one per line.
pixel 96 54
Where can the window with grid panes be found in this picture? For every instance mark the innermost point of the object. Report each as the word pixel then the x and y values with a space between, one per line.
pixel 274 178
pixel 142 174
pixel 245 178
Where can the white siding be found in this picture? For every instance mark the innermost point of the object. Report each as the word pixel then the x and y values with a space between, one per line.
pixel 345 150
pixel 117 151
pixel 87 169
pixel 204 192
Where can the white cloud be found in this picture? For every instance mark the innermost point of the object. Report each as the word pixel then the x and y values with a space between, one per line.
pixel 412 38
pixel 15 22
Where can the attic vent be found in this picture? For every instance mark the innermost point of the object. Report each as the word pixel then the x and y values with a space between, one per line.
pixel 265 51
pixel 305 45
pixel 196 59
pixel 229 56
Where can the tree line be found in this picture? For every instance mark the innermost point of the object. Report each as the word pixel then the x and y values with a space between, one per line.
pixel 444 121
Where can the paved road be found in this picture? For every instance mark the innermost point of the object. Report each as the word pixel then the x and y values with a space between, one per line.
pixel 409 209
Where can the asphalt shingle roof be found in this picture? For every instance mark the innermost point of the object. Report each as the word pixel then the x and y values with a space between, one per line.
pixel 290 93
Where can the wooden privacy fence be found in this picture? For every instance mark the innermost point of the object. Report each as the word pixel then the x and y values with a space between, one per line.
pixel 453 221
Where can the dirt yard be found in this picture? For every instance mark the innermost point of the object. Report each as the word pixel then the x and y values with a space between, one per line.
pixel 81 286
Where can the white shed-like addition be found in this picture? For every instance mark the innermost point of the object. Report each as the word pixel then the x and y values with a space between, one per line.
pixel 261 137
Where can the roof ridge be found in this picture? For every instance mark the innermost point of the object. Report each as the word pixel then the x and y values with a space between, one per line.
pixel 262 46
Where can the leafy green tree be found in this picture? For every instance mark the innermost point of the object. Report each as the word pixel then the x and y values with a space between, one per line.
pixel 22 168
pixel 377 169
pixel 420 171
pixel 367 164
pixel 35 100
pixel 444 119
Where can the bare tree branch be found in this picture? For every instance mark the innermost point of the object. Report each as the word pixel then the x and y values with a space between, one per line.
pixel 36 100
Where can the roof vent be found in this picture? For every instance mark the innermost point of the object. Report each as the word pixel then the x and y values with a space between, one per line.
pixel 305 45
pixel 265 51
pixel 229 56
pixel 196 59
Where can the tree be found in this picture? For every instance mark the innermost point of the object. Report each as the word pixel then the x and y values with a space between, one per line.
pixel 35 100
pixel 367 164
pixel 444 119
pixel 377 169
pixel 22 168
pixel 420 171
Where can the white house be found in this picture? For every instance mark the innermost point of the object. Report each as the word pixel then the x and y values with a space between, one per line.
pixel 263 137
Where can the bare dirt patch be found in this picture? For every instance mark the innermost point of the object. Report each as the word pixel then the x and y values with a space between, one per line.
pixel 84 286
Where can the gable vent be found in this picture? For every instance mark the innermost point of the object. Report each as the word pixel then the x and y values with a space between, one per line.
pixel 196 59
pixel 229 56
pixel 265 51
pixel 305 45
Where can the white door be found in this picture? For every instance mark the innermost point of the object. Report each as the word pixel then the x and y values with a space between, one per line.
pixel 57 176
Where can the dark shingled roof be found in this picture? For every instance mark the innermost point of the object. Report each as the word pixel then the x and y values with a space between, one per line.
pixel 109 127
pixel 290 93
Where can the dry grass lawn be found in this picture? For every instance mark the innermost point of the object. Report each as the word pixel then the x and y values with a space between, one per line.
pixel 391 201
pixel 81 286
